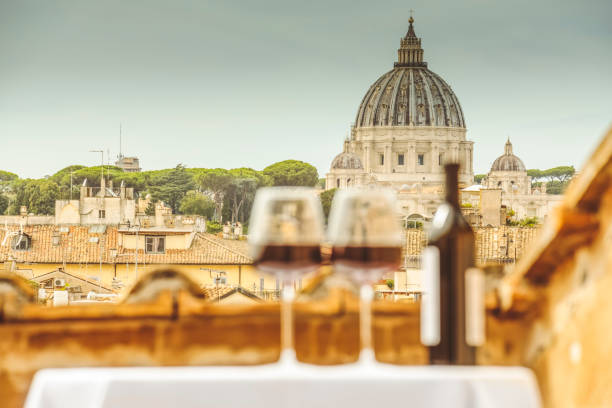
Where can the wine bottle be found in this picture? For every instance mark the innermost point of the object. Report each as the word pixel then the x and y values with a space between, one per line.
pixel 445 262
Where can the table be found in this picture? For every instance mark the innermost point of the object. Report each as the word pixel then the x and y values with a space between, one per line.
pixel 285 385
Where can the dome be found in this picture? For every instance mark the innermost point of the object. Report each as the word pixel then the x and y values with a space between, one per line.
pixel 347 161
pixel 508 161
pixel 410 94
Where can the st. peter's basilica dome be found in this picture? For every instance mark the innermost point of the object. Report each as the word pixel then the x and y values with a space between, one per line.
pixel 410 94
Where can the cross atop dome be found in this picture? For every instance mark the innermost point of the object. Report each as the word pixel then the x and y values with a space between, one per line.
pixel 410 32
pixel 410 53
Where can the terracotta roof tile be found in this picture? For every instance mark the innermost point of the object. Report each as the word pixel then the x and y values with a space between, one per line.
pixel 76 247
pixel 213 293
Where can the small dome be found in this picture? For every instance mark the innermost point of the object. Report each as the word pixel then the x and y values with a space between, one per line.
pixel 347 161
pixel 508 161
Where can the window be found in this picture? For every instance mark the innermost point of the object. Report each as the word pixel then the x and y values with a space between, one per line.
pixel 400 159
pixel 381 159
pixel 101 213
pixel 338 183
pixel 421 159
pixel 155 245
pixel 21 242
pixel 348 182
pixel 440 159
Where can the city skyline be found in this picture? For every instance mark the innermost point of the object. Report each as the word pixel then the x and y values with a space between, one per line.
pixel 228 85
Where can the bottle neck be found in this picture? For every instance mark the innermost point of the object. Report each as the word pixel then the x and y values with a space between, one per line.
pixel 452 184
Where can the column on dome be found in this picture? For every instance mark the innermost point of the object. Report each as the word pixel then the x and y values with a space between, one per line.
pixel 388 159
pixel 366 154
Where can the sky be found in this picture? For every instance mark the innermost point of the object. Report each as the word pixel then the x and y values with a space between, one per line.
pixel 244 83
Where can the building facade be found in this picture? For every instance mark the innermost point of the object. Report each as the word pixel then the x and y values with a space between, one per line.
pixel 408 125
pixel 98 205
pixel 128 164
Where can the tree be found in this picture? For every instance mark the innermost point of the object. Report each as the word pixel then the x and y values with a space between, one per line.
pixel 171 186
pixel 216 181
pixel 240 191
pixel 557 178
pixel 7 176
pixel 150 210
pixel 37 195
pixel 247 172
pixel 326 200
pixel 292 173
pixel 195 203
pixel 246 192
pixel 529 222
pixel 561 173
pixel 4 202
pixel 60 176
pixel 556 187
pixel 478 178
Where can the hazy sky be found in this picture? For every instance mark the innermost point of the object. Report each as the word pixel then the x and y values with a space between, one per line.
pixel 231 84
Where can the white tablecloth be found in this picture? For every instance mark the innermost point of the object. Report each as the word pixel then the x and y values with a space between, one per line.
pixel 285 385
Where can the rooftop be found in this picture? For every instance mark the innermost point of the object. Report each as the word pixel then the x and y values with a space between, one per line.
pixel 78 244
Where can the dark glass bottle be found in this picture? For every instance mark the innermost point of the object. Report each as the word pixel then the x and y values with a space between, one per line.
pixel 452 235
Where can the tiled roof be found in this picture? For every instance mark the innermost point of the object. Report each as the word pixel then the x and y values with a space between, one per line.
pixel 77 246
pixel 62 273
pixel 222 291
pixel 205 249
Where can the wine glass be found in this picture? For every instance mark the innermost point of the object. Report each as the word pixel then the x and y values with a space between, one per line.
pixel 285 237
pixel 366 238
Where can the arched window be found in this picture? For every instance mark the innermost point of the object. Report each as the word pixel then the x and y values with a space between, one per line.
pixel 348 182
pixel 338 183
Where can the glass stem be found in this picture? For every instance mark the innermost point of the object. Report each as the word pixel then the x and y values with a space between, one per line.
pixel 365 322
pixel 287 297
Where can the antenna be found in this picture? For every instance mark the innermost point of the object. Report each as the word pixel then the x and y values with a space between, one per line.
pixel 120 131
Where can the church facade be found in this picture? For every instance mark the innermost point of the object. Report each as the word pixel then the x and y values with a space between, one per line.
pixel 408 125
pixel 509 174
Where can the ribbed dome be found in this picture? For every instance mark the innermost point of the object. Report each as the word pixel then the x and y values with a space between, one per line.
pixel 347 161
pixel 410 94
pixel 508 161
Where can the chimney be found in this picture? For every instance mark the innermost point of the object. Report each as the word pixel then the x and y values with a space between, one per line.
pixel 84 189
